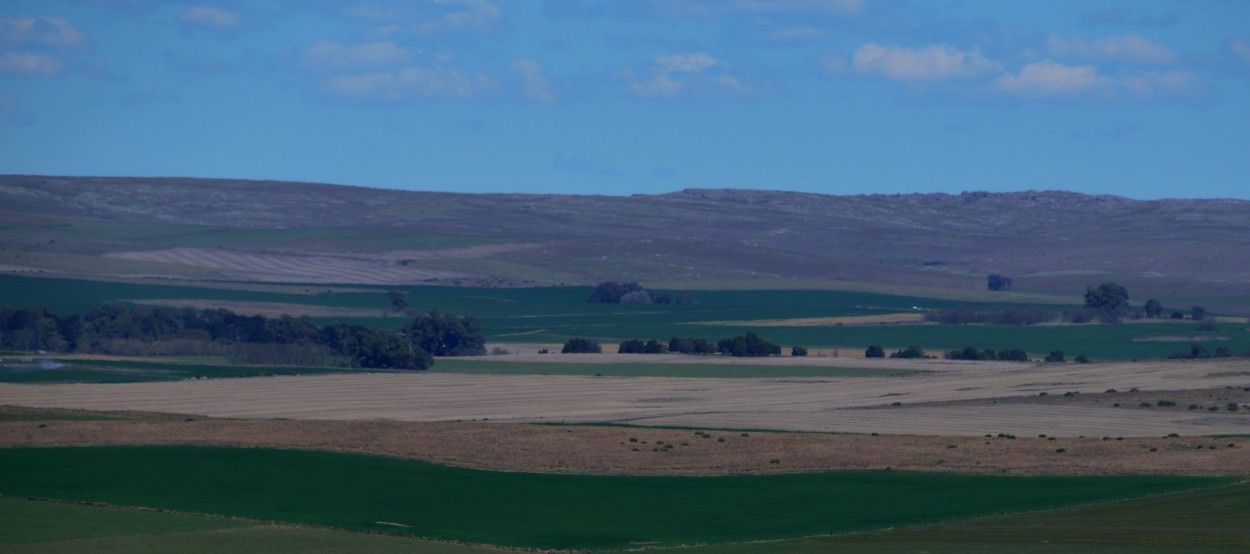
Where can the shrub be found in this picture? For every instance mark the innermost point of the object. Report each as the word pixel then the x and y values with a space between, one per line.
pixel 874 351
pixel 1013 355
pixel 1082 359
pixel 912 352
pixel 581 346
pixel 749 345
pixel 690 346
pixel 798 351
pixel 1055 356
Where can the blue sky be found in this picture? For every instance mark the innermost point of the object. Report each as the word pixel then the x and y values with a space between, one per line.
pixel 1145 99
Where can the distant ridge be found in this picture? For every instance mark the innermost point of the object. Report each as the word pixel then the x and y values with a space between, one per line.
pixel 1049 240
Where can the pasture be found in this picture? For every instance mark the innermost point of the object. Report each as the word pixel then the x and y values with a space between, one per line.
pixel 554 314
pixel 537 510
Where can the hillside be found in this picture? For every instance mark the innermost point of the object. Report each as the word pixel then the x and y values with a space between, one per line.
pixel 1049 241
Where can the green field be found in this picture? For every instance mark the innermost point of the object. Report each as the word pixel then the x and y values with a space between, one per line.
pixel 131 371
pixel 555 314
pixel 357 492
pixel 1207 520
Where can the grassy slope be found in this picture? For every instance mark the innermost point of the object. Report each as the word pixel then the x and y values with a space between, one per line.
pixel 536 510
pixel 1209 520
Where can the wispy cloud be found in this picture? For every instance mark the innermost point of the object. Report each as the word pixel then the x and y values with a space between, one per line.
pixel 47 32
pixel 535 85
pixel 1048 80
pixel 1127 48
pixel 329 55
pixel 428 18
pixel 29 64
pixel 211 18
pixel 1240 50
pixel 934 63
pixel 674 75
pixel 798 34
pixel 438 81
pixel 704 9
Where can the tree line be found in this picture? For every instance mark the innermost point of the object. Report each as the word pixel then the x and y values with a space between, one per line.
pixel 117 328
pixel 748 345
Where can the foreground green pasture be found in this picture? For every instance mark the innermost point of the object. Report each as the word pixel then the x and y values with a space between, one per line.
pixel 627 369
pixel 1206 520
pixel 537 510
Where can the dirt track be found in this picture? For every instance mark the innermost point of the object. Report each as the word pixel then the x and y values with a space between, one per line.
pixel 953 399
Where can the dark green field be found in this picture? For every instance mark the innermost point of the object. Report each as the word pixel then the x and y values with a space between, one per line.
pixel 537 510
pixel 131 371
pixel 554 314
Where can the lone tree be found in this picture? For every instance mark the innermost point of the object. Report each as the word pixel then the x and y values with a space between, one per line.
pixel 998 282
pixel 581 346
pixel 399 301
pixel 874 351
pixel 1154 309
pixel 1108 299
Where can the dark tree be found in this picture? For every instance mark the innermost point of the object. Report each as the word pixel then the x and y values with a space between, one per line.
pixel 998 282
pixel 1176 315
pixel 581 346
pixel 1154 309
pixel 911 352
pixel 399 301
pixel 611 292
pixel 632 346
pixel 1108 299
pixel 445 334
pixel 1082 359
pixel 690 346
pixel 381 349
pixel 1197 313
pixel 653 347
pixel 798 351
pixel 1055 356
pixel 1013 355
pixel 874 351
pixel 749 345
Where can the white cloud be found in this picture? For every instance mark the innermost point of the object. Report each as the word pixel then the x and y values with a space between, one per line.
pixel 935 63
pixel 669 76
pixel 798 34
pixel 1240 49
pixel 1048 79
pixel 47 32
pixel 409 83
pixel 328 55
pixel 477 15
pixel 534 83
pixel 210 18
pixel 722 8
pixel 27 64
pixel 1128 48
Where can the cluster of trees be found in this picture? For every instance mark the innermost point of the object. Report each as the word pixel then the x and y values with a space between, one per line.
pixel 116 328
pixel 749 345
pixel 581 346
pixel 636 346
pixel 690 346
pixel 611 292
pixel 1200 352
pixel 911 352
pixel 970 353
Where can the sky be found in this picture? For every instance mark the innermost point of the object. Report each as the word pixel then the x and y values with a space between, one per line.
pixel 1139 98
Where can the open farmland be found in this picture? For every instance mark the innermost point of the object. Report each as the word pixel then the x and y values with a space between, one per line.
pixel 947 398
